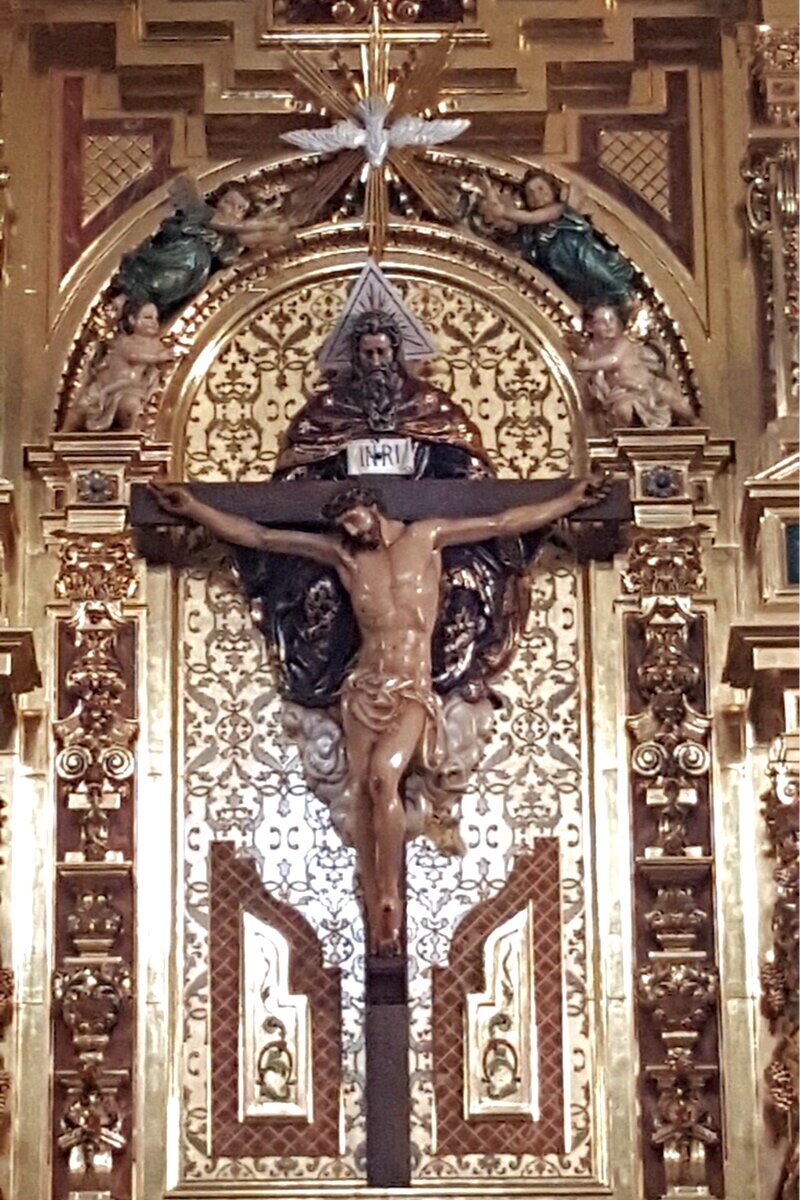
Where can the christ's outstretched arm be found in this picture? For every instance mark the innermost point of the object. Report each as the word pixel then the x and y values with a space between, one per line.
pixel 514 521
pixel 240 531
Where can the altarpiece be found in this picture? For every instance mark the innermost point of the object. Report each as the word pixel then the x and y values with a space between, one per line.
pixel 569 1004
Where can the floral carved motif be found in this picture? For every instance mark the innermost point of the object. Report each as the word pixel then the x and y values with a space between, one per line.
pixel 90 998
pixel 670 763
pixel 95 739
pixel 97 487
pixel 676 919
pixel 669 752
pixel 678 995
pixel 664 562
pixel 770 172
pixel 91 1127
pixel 94 923
pixel 95 757
pixel 97 568
pixel 775 67
pixel 683 1127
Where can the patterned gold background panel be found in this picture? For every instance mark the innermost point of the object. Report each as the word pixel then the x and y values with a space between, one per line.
pixel 505 380
pixel 242 780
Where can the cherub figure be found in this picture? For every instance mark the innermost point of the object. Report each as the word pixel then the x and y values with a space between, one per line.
pixel 624 380
pixel 194 241
pixel 558 239
pixel 126 375
pixel 265 227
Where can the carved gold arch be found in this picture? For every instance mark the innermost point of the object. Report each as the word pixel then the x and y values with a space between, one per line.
pixel 326 249
pixel 542 322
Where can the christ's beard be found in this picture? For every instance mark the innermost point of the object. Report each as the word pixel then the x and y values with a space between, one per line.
pixel 377 392
pixel 369 539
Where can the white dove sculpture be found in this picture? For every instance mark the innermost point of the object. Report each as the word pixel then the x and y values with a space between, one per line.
pixel 370 132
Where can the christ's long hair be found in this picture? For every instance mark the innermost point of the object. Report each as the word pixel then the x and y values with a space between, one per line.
pixel 349 498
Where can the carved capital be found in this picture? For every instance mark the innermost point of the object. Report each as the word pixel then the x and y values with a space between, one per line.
pixel 671 472
pixel 88 478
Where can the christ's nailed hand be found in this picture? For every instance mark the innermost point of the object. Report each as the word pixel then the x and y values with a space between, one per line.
pixel 597 487
pixel 172 497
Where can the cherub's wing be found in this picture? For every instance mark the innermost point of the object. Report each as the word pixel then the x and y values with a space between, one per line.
pixel 184 195
pixel 344 135
pixel 575 197
pixel 416 131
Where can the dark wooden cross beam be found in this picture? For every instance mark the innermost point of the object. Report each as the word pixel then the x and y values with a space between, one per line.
pixel 299 505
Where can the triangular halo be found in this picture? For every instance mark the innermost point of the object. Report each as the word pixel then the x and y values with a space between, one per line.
pixel 373 292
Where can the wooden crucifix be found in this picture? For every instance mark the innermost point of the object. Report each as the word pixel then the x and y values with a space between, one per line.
pixel 385 542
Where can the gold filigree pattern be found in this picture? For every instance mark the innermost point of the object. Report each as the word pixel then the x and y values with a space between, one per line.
pixel 640 158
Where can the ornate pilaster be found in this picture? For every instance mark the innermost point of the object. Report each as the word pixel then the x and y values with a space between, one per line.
pixel 665 616
pixel 770 171
pixel 19 674
pixel 96 617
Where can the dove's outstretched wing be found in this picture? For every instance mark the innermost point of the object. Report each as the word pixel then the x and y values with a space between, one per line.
pixel 416 131
pixel 344 135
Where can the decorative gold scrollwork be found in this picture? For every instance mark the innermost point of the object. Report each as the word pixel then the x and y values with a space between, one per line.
pixel 97 568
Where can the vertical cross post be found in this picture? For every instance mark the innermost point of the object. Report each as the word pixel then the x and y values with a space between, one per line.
pixel 387 1084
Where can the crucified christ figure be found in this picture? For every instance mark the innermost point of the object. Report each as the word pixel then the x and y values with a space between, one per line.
pixel 390 712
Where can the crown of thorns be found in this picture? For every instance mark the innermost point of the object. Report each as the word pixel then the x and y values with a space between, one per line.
pixel 352 497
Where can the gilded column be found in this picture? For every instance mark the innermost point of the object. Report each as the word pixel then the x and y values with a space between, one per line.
pixel 665 631
pixel 96 623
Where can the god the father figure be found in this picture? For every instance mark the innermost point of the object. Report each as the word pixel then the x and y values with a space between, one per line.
pixel 391 715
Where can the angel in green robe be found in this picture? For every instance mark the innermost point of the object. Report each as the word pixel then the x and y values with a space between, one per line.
pixel 194 241
pixel 560 241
